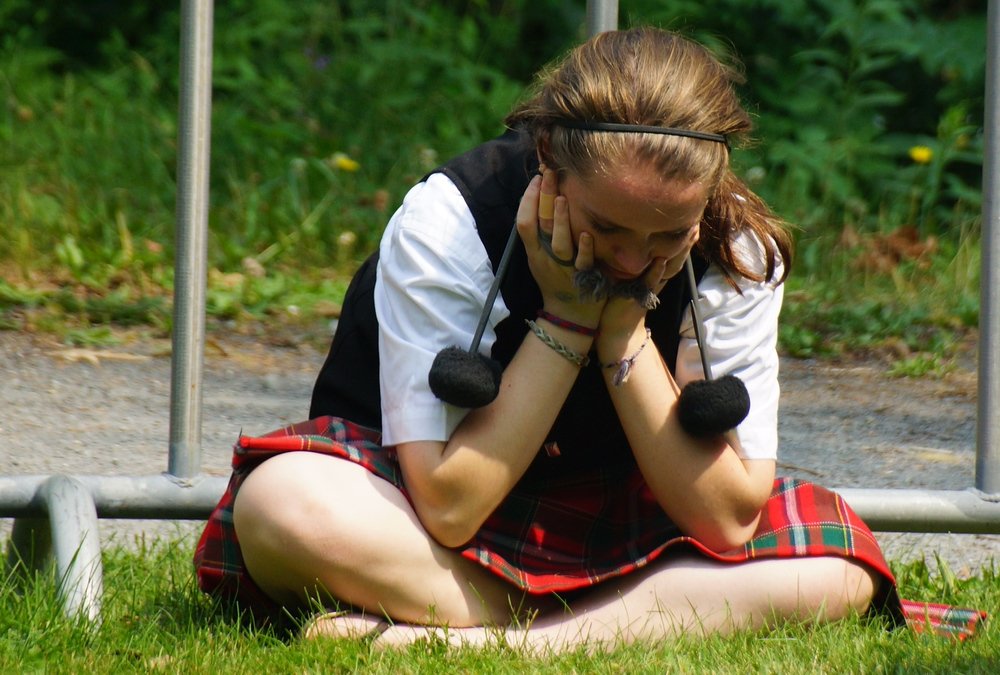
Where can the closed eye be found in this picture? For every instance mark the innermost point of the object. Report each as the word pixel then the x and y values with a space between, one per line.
pixel 604 228
pixel 676 235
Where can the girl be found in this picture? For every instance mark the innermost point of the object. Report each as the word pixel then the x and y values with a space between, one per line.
pixel 573 507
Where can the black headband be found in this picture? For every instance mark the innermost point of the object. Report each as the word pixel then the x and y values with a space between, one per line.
pixel 642 129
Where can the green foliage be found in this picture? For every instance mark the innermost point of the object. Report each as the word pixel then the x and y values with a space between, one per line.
pixel 867 297
pixel 843 89
pixel 869 116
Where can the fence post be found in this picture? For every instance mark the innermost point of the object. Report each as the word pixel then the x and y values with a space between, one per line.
pixel 76 545
pixel 988 414
pixel 194 142
pixel 602 15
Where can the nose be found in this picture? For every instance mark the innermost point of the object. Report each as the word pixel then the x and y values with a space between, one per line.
pixel 631 260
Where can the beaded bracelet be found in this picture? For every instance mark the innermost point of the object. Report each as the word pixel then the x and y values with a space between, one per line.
pixel 625 365
pixel 568 325
pixel 577 359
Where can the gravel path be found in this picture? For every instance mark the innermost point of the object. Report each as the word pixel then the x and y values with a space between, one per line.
pixel 106 411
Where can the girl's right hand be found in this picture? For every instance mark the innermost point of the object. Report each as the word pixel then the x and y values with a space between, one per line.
pixel 553 258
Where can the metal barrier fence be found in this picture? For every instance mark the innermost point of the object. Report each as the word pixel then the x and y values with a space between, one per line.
pixel 57 516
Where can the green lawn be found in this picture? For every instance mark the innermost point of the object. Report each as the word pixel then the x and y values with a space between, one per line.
pixel 155 620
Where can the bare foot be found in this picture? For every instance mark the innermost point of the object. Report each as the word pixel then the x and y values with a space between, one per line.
pixel 344 625
pixel 380 633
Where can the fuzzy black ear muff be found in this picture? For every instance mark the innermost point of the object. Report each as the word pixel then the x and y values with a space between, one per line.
pixel 711 406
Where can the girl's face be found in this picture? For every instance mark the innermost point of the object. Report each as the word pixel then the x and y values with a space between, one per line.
pixel 635 216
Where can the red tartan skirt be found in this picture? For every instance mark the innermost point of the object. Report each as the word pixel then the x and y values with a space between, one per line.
pixel 582 531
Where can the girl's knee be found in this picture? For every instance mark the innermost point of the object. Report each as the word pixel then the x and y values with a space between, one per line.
pixel 290 524
pixel 272 502
pixel 860 584
pixel 842 587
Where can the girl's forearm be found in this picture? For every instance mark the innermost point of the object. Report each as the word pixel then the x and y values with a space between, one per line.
pixel 456 485
pixel 702 484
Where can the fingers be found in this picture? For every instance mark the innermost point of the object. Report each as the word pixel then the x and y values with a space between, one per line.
pixel 527 213
pixel 562 249
pixel 553 232
pixel 659 273
pixel 675 263
pixel 546 199
pixel 585 251
pixel 548 190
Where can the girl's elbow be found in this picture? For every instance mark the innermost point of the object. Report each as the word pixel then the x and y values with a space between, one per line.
pixel 444 512
pixel 448 527
pixel 722 537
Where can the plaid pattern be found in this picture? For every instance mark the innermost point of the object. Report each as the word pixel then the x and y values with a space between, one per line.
pixel 954 622
pixel 217 558
pixel 568 534
pixel 596 533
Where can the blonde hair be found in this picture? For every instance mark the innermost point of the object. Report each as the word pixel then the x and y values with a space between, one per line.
pixel 652 77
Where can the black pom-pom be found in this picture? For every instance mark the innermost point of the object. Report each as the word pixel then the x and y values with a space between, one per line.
pixel 711 407
pixel 464 379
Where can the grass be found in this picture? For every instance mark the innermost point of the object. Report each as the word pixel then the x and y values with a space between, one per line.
pixel 155 620
pixel 911 301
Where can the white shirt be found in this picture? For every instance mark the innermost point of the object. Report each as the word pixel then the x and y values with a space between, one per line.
pixel 432 280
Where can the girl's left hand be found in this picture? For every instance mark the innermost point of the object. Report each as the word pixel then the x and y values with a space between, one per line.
pixel 623 318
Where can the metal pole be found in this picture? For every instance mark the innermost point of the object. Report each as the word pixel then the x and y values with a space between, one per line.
pixel 76 545
pixel 194 136
pixel 988 427
pixel 887 510
pixel 602 15
pixel 955 511
pixel 156 496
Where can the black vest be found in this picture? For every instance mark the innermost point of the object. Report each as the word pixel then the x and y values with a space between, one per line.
pixel 492 178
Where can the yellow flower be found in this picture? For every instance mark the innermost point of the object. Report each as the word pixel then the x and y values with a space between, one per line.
pixel 344 163
pixel 921 154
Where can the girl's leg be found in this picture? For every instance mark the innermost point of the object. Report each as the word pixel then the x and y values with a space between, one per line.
pixel 687 596
pixel 310 523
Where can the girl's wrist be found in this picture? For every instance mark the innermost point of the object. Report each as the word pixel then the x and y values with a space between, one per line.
pixel 615 345
pixel 581 316
pixel 620 369
pixel 568 324
pixel 568 344
pixel 574 335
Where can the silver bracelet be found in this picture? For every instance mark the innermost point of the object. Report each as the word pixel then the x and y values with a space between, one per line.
pixel 625 365
pixel 576 358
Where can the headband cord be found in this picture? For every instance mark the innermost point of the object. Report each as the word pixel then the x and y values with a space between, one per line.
pixel 642 129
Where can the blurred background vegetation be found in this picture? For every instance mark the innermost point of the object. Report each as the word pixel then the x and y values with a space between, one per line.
pixel 869 140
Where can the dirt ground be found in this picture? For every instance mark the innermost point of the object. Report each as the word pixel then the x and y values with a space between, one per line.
pixel 106 411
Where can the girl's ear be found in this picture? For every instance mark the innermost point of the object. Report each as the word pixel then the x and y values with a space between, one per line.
pixel 543 150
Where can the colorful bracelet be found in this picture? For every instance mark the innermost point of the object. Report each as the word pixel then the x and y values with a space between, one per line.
pixel 568 325
pixel 577 359
pixel 625 365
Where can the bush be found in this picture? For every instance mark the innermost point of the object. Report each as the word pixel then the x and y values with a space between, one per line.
pixel 870 111
pixel 869 119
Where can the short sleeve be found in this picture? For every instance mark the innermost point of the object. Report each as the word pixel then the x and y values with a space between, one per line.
pixel 432 281
pixel 741 334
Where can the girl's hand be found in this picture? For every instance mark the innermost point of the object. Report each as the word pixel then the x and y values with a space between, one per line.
pixel 544 227
pixel 623 318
